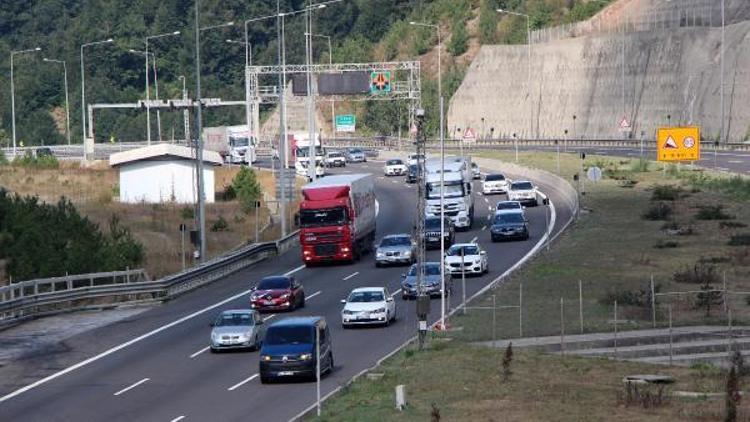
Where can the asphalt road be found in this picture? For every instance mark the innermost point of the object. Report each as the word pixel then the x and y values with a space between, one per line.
pixel 170 375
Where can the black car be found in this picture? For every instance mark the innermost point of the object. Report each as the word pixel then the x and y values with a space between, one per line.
pixel 432 232
pixel 411 174
pixel 289 349
pixel 509 225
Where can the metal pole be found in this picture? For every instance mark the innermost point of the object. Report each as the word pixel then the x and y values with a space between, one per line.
pixel 248 117
pixel 520 310
pixel 442 217
pixel 282 116
pixel 67 103
pixel 724 276
pixel 333 101
pixel 528 86
pixel 580 303
pixel 199 140
pixel 721 60
pixel 312 155
pixel 653 303
pixel 148 97
pixel 257 208
pixel 562 326
pixel 615 343
pixel 669 311
pixel 13 105
pixel 156 86
pixel 463 281
pixel 182 248
pixel 317 369
pixel 494 320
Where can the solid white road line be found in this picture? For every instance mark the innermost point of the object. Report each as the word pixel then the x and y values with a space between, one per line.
pixel 131 342
pixel 314 294
pixel 199 352
pixel 132 386
pixel 474 239
pixel 735 161
pixel 243 382
pixel 178 419
pixel 351 275
pixel 268 317
pixel 395 293
pixel 486 200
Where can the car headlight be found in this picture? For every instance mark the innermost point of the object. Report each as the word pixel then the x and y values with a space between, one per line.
pixel 305 356
pixel 379 311
pixel 380 254
pixel 284 296
pixel 407 253
pixel 347 312
pixel 265 358
pixel 214 336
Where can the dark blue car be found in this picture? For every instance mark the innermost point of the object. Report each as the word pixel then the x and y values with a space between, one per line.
pixel 509 225
pixel 289 349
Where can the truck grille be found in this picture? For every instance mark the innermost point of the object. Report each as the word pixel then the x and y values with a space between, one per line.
pixel 325 250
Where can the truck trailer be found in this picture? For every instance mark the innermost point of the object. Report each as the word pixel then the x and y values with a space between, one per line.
pixel 337 218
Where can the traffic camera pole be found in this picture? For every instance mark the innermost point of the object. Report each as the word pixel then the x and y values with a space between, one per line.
pixel 423 301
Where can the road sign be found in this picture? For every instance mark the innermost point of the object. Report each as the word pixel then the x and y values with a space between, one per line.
pixel 470 134
pixel 625 124
pixel 346 123
pixel 380 82
pixel 678 144
pixel 594 174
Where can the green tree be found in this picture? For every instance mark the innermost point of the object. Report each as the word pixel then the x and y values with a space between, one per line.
pixel 488 22
pixel 458 43
pixel 247 188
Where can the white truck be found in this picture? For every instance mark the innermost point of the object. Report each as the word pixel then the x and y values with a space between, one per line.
pixel 457 190
pixel 234 143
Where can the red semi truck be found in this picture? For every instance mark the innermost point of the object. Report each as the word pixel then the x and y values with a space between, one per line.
pixel 337 218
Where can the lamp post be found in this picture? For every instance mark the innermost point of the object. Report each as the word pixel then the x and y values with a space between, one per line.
pixel 442 171
pixel 333 102
pixel 67 104
pixel 83 91
pixel 528 83
pixel 13 92
pixel 148 107
pixel 146 54
pixel 185 113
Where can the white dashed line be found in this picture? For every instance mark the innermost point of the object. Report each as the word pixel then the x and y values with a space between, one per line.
pixel 132 386
pixel 199 352
pixel 486 200
pixel 395 293
pixel 484 228
pixel 351 275
pixel 735 161
pixel 269 317
pixel 178 419
pixel 288 273
pixel 243 382
pixel 314 294
pixel 474 239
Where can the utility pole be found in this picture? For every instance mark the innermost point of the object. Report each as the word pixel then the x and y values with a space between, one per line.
pixel 312 153
pixel 423 301
pixel 282 117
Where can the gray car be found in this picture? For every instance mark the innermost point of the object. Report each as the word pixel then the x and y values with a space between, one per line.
pixel 430 285
pixel 237 329
pixel 395 249
pixel 355 155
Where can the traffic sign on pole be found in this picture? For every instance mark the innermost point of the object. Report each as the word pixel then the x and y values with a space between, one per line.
pixel 678 144
pixel 346 123
pixel 470 135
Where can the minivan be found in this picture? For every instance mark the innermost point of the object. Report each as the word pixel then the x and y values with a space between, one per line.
pixel 288 349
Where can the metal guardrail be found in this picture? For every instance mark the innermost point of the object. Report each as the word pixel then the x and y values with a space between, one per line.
pixel 32 298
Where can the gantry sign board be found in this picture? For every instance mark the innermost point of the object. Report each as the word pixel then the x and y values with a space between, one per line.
pixel 678 143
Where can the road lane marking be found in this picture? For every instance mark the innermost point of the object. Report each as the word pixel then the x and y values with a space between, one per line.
pixel 484 227
pixel 268 317
pixel 314 294
pixel 131 342
pixel 489 208
pixel 474 239
pixel 351 275
pixel 395 293
pixel 486 200
pixel 199 352
pixel 243 382
pixel 178 419
pixel 132 386
pixel 735 161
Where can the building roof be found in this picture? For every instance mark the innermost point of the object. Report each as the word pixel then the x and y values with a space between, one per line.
pixel 160 152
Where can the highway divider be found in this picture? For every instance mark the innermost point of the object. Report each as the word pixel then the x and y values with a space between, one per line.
pixel 35 298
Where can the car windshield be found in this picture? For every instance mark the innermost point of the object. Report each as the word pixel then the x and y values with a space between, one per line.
pixel 429 269
pixel 494 177
pixel 433 224
pixel 393 162
pixel 305 151
pixel 522 186
pixel 238 142
pixel 363 297
pixel 511 217
pixel 468 250
pixel 334 154
pixel 274 283
pixel 449 191
pixel 508 205
pixel 319 218
pixel 413 168
pixel 416 156
pixel 233 319
pixel 396 241
pixel 355 151
pixel 289 335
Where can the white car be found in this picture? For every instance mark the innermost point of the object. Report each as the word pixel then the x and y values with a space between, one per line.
pixel 395 167
pixel 367 306
pixel 472 255
pixel 495 183
pixel 509 205
pixel 300 168
pixel 524 192
pixel 335 159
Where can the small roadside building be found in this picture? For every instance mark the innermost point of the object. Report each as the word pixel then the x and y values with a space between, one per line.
pixel 163 173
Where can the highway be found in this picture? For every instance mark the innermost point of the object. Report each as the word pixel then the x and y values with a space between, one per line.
pixel 156 366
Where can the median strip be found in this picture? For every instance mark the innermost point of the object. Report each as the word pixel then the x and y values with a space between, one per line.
pixel 132 386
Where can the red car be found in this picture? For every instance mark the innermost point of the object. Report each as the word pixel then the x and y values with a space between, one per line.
pixel 277 293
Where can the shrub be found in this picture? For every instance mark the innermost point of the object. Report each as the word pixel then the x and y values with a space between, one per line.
pixel 3 159
pixel 220 225
pixel 640 297
pixel 507 360
pixel 700 273
pixel 458 43
pixel 187 213
pixel 731 225
pixel 740 239
pixel 658 211
pixel 247 188
pixel 666 193
pixel 640 166
pixel 666 245
pixel 712 212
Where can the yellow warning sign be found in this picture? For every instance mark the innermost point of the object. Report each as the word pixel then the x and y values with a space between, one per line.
pixel 678 143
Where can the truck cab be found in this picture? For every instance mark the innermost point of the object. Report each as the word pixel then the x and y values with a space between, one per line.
pixel 458 200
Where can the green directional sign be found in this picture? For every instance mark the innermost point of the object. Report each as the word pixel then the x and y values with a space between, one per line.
pixel 346 123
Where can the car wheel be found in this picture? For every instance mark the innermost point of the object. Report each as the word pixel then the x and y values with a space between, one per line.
pixel 214 350
pixel 377 264
pixel 331 364
pixel 387 319
pixel 264 379
pixel 302 302
pixel 403 297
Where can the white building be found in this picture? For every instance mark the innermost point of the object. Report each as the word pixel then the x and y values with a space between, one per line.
pixel 163 173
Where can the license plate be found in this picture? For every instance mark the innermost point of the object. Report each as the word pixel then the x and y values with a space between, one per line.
pixel 268 302
pixel 285 373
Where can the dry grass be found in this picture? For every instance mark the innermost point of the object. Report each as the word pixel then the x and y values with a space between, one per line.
pixel 94 192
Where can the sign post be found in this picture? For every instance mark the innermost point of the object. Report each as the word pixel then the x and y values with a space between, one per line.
pixel 678 144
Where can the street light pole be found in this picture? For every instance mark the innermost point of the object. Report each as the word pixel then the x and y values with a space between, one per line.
pixel 333 102
pixel 528 83
pixel 185 113
pixel 67 104
pixel 148 106
pixel 83 91
pixel 13 93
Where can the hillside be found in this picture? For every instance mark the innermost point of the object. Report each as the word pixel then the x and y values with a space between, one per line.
pixel 360 30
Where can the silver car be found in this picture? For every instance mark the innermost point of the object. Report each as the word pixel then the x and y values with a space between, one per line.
pixel 237 329
pixel 355 155
pixel 395 249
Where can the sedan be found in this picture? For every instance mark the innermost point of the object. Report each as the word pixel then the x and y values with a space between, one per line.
pixel 237 329
pixel 395 249
pixel 335 159
pixel 368 305
pixel 509 205
pixel 355 155
pixel 395 167
pixel 430 285
pixel 495 183
pixel 523 192
pixel 278 293
pixel 469 256
pixel 509 225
